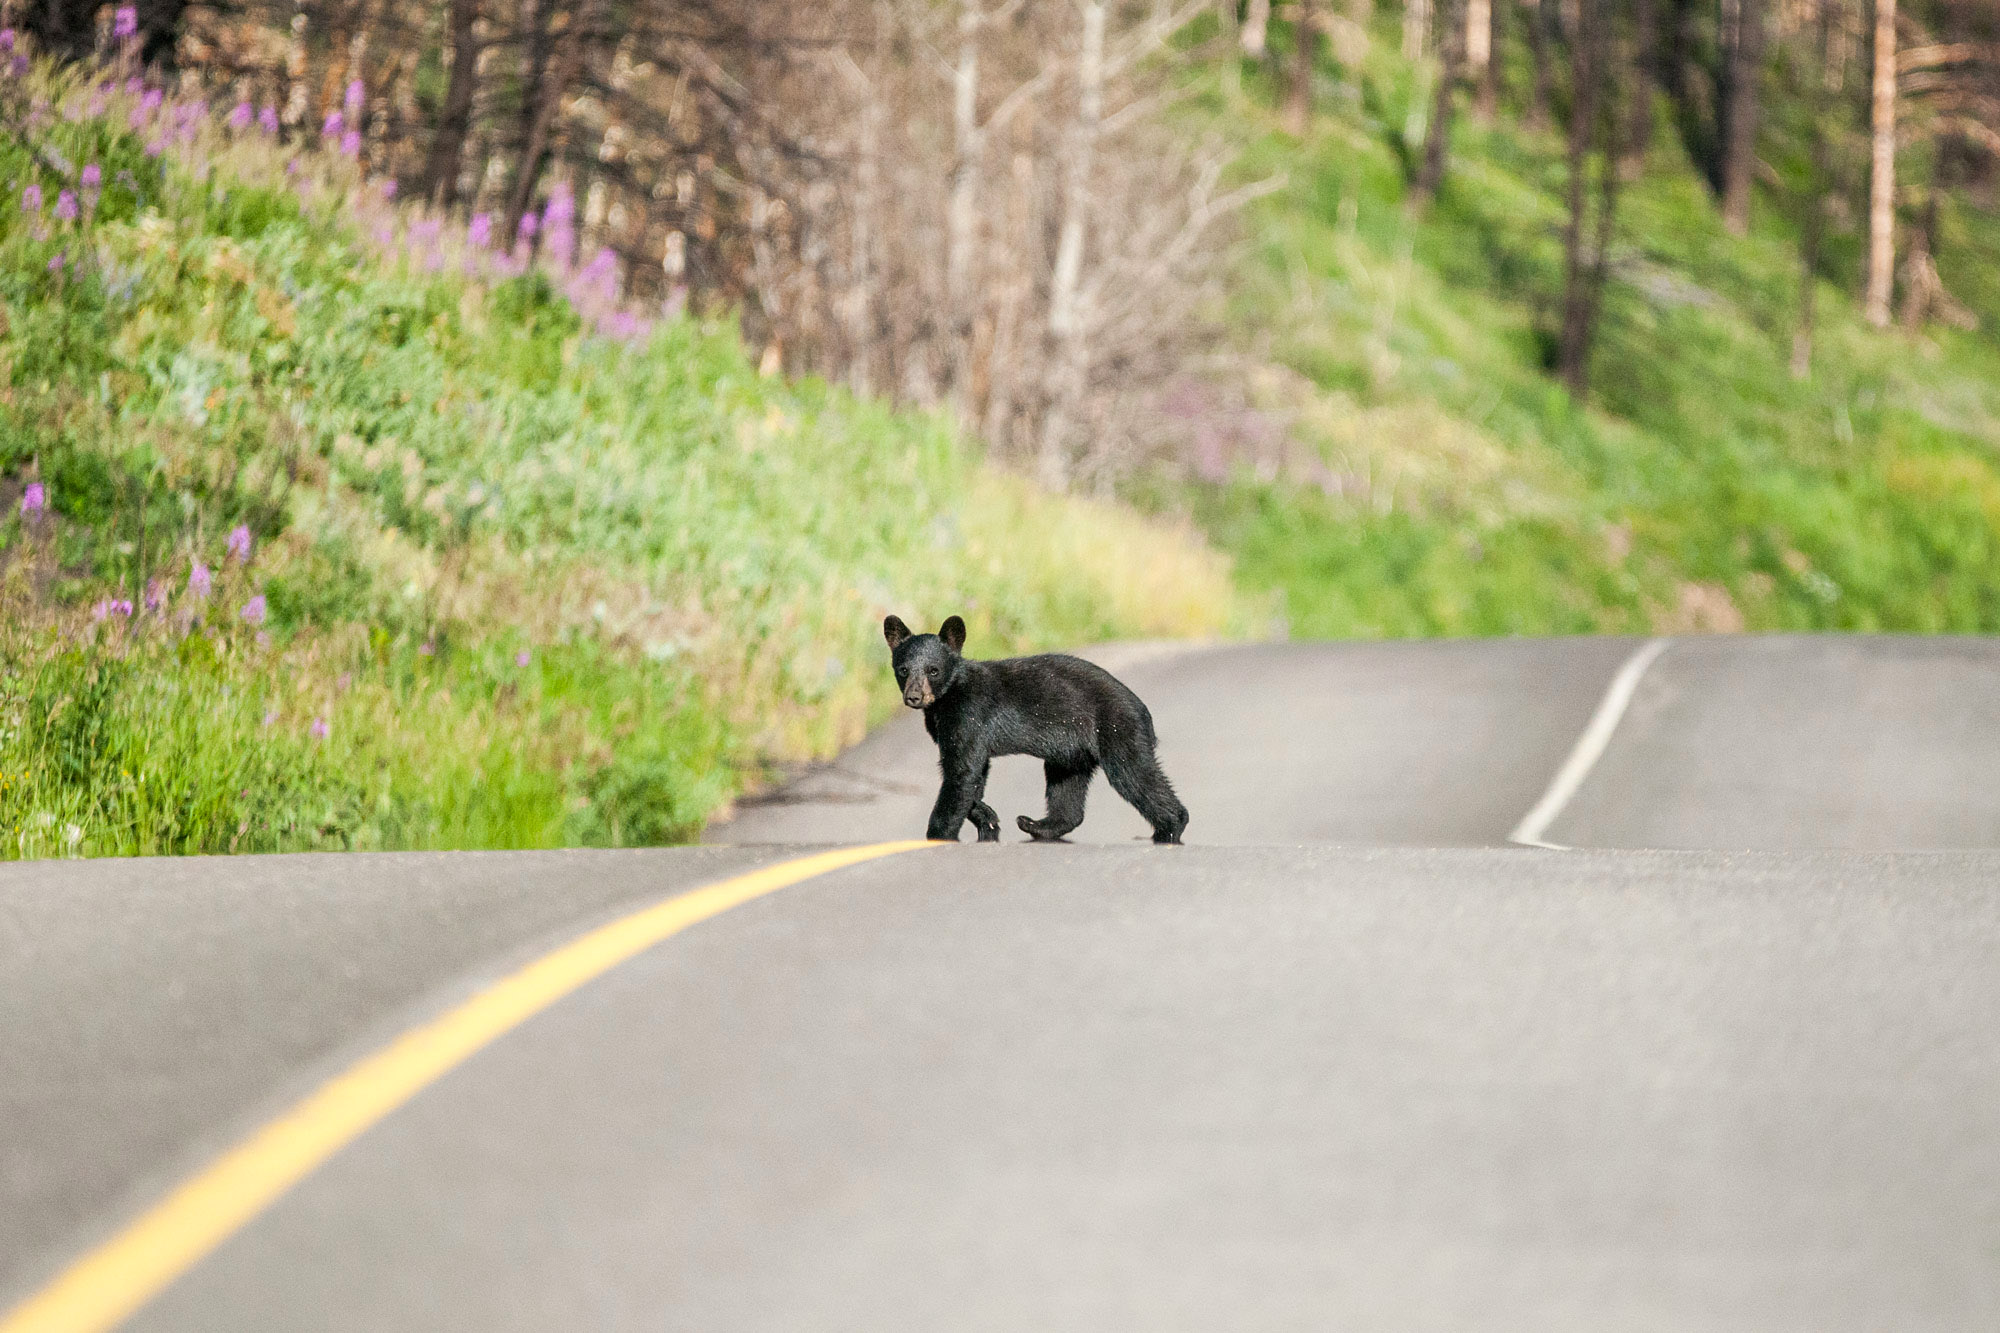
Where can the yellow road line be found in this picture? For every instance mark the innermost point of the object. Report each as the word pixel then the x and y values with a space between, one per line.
pixel 110 1283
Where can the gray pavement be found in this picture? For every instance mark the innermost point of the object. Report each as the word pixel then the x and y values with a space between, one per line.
pixel 1028 1088
pixel 1423 744
pixel 1339 1079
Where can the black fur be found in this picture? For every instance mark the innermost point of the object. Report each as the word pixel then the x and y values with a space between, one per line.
pixel 1071 714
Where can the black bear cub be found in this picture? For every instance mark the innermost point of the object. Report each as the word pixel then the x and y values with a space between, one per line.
pixel 1071 714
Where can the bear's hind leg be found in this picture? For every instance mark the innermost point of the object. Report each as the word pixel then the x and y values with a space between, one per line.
pixel 1136 775
pixel 1068 785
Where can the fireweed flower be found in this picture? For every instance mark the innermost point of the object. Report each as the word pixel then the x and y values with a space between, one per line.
pixel 66 206
pixel 239 542
pixel 6 40
pixel 93 176
pixel 240 116
pixel 521 658
pixel 388 190
pixel 480 233
pixel 267 119
pixel 350 144
pixel 333 126
pixel 356 93
pixel 18 66
pixel 200 581
pixel 270 716
pixel 320 730
pixel 126 24
pixel 255 610
pixel 31 199
pixel 35 499
pixel 56 264
pixel 156 595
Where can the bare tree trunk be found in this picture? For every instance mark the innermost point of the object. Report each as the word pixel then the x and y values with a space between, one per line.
pixel 1645 59
pixel 1746 70
pixel 1437 137
pixel 1538 49
pixel 1882 169
pixel 584 23
pixel 446 156
pixel 1068 320
pixel 1256 29
pixel 962 214
pixel 1482 49
pixel 1583 270
pixel 1298 87
pixel 1416 28
pixel 1812 227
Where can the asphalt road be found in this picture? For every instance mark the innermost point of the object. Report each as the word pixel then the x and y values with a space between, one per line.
pixel 1327 1076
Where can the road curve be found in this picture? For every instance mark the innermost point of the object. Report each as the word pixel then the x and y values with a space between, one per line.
pixel 1279 1086
pixel 1779 742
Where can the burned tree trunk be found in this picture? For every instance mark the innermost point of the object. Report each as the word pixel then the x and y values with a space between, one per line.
pixel 1586 238
pixel 1437 136
pixel 446 156
pixel 1741 107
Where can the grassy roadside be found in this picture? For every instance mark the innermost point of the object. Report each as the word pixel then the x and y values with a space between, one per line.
pixel 1439 481
pixel 327 526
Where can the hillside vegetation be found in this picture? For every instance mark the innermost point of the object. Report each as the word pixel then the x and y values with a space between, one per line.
pixel 1407 464
pixel 326 526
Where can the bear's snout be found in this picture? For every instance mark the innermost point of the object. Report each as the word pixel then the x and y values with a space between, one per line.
pixel 919 695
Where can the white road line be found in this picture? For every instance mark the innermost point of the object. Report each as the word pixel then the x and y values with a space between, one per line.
pixel 1588 750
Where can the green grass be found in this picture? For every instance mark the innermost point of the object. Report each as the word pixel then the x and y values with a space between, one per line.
pixel 524 586
pixel 1443 483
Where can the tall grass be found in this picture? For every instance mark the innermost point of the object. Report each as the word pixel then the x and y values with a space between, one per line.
pixel 328 525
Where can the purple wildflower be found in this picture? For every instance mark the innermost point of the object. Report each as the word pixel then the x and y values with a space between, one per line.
pixel 156 146
pixel 156 595
pixel 426 649
pixel 240 117
pixel 56 264
pixel 126 23
pixel 334 124
pixel 270 716
pixel 388 190
pixel 530 224
pixel 267 119
pixel 17 66
pixel 239 542
pixel 255 610
pixel 66 206
pixel 93 176
pixel 320 730
pixel 355 94
pixel 111 606
pixel 133 85
pixel 350 144
pixel 31 199
pixel 480 233
pixel 521 658
pixel 6 40
pixel 200 581
pixel 35 499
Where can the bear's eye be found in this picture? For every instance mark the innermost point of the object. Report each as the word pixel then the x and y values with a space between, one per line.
pixel 902 673
pixel 933 673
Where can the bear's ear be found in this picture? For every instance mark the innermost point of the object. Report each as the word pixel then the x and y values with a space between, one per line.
pixel 953 633
pixel 895 631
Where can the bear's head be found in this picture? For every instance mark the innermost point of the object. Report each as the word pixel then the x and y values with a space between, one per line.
pixel 926 664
